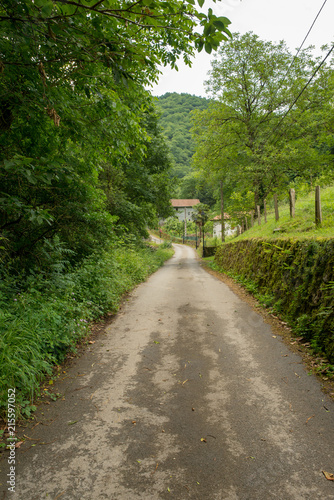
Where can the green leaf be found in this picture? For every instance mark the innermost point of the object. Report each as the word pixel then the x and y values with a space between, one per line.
pixel 192 2
pixel 228 33
pixel 224 20
pixel 201 3
pixel 208 47
pixel 208 29
pixel 200 46
pixel 219 24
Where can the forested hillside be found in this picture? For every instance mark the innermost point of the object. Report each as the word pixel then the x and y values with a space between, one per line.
pixel 176 122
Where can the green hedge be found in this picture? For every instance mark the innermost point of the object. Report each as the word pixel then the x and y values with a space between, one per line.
pixel 298 275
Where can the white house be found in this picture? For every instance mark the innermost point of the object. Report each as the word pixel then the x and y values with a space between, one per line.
pixel 184 208
pixel 217 226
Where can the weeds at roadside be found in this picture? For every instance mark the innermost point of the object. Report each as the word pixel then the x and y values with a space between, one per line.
pixel 44 320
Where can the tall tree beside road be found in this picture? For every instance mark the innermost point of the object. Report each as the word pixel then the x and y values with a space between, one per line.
pixel 247 134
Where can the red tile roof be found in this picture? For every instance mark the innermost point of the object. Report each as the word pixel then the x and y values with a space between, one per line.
pixel 218 217
pixel 183 203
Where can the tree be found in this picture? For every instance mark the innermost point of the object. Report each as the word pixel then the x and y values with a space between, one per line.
pixel 211 161
pixel 173 225
pixel 131 37
pixel 139 189
pixel 251 133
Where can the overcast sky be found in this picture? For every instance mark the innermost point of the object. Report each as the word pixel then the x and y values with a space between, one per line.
pixel 273 20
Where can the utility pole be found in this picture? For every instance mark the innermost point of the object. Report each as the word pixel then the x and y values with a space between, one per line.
pixel 222 210
pixel 185 221
pixel 202 223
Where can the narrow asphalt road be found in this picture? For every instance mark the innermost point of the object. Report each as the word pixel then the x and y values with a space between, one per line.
pixel 186 395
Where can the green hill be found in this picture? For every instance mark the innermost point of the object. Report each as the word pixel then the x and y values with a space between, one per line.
pixel 175 120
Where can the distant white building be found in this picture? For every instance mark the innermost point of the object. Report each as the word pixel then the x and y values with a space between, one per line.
pixel 217 226
pixel 184 208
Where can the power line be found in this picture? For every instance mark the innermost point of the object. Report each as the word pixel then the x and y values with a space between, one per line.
pixel 302 91
pixel 297 53
pixel 307 35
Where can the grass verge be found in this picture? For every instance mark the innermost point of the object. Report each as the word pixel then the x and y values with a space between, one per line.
pixel 43 320
pixel 302 226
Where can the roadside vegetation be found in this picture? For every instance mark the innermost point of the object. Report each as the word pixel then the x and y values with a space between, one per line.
pixel 303 225
pixel 290 271
pixel 43 318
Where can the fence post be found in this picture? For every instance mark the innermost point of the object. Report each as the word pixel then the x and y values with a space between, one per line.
pixel 265 210
pixel 258 215
pixel 276 208
pixel 222 210
pixel 252 219
pixel 246 224
pixel 318 212
pixel 292 202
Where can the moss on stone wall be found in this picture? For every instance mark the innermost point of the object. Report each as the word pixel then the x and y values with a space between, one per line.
pixel 298 274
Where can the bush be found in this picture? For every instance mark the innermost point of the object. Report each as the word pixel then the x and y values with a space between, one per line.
pixel 43 318
pixel 167 244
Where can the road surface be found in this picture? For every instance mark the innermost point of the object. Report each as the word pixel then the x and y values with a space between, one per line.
pixel 188 394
